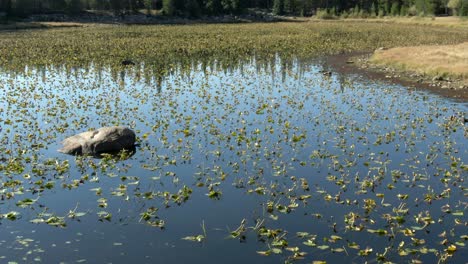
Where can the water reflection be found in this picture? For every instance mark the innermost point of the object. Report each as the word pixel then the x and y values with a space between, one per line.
pixel 256 150
pixel 157 73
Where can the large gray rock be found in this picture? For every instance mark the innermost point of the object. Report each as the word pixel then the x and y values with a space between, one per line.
pixel 102 140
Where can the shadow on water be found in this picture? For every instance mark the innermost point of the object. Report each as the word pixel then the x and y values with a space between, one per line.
pixel 120 155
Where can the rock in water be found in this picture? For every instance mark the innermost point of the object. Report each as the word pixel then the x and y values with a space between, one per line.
pixel 102 140
pixel 128 63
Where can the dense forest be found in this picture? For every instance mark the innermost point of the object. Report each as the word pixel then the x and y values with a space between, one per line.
pixel 195 8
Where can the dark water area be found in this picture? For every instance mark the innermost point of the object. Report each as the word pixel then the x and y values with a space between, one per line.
pixel 234 162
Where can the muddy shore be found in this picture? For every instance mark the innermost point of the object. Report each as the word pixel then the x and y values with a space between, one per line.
pixel 358 63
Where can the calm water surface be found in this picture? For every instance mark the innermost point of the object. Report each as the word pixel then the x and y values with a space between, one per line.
pixel 275 158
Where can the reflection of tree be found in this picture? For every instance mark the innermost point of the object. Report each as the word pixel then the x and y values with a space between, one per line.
pixel 155 73
pixel 342 80
pixel 122 79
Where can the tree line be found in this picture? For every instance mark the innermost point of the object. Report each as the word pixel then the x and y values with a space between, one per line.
pixel 195 8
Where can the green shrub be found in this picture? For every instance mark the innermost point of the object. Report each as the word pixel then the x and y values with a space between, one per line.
pixel 345 14
pixel 381 12
pixel 169 7
pixel 412 11
pixel 395 10
pixel 403 11
pixel 325 14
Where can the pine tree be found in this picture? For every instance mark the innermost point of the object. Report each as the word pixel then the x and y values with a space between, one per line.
pixel 381 11
pixel 116 6
pixel 288 6
pixel 403 11
pixel 395 11
pixel 227 6
pixel 278 7
pixel 73 6
pixel 23 7
pixel 373 10
pixel 424 7
pixel 213 7
pixel 464 8
pixel 169 7
pixel 99 4
pixel 132 5
pixel 455 6
pixel 192 8
pixel 5 6
pixel 148 5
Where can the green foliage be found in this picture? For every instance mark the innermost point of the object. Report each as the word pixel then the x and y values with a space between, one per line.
pixel 458 7
pixel 395 10
pixel 100 4
pixel 464 8
pixel 192 7
pixel 381 12
pixel 278 7
pixel 73 6
pixel 352 8
pixel 454 5
pixel 148 5
pixel 424 7
pixel 373 10
pixel 6 6
pixel 133 5
pixel 23 7
pixel 213 7
pixel 404 11
pixel 116 6
pixel 288 6
pixel 169 7
pixel 231 6
pixel 412 11
pixel 325 14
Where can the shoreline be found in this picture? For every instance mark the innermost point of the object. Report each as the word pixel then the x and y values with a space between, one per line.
pixel 358 63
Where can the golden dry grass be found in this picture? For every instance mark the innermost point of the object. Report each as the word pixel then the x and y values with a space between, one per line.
pixel 444 60
pixel 438 21
pixel 450 21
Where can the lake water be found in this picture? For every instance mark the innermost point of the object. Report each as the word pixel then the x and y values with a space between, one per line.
pixel 248 159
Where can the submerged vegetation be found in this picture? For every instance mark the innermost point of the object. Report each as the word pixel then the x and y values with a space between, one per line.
pixel 244 136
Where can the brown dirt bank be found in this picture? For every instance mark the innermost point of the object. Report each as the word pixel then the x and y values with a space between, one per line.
pixel 358 63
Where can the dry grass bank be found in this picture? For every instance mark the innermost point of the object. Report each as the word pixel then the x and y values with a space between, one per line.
pixel 438 60
pixel 449 21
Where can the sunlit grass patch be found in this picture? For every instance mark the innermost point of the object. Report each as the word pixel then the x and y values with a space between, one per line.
pixel 436 60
